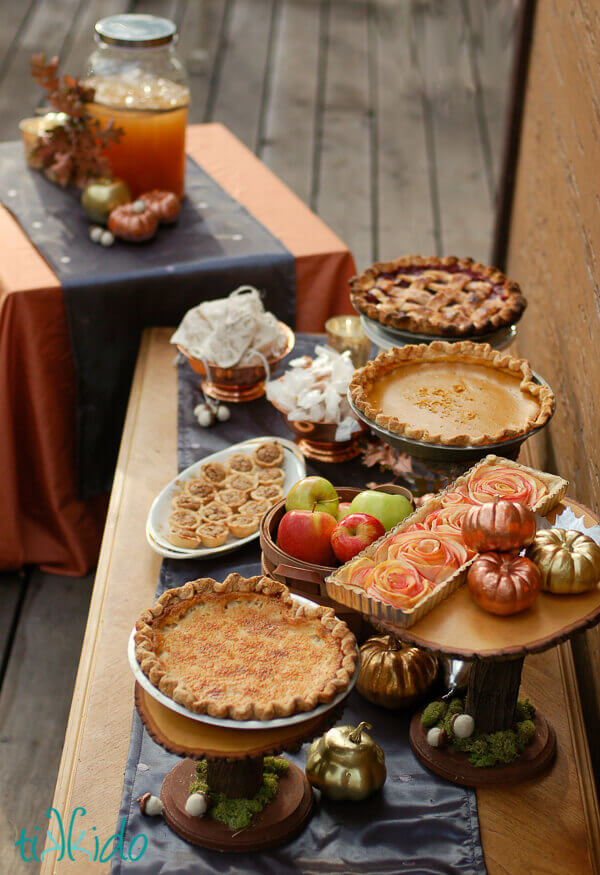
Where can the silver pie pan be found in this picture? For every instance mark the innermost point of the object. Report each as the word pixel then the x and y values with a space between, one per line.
pixel 385 337
pixel 440 453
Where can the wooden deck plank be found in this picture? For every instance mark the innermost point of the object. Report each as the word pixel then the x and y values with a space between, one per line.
pixel 344 194
pixel 74 60
pixel 12 586
pixel 406 218
pixel 236 100
pixel 202 33
pixel 466 213
pixel 287 143
pixel 34 704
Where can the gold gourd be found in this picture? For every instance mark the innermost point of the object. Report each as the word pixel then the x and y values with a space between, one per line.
pixel 346 763
pixel 392 674
pixel 569 561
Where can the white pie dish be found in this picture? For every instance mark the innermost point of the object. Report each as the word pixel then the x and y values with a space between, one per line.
pixel 157 523
pixel 226 722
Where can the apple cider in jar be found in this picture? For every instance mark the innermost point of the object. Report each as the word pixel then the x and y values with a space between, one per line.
pixel 141 86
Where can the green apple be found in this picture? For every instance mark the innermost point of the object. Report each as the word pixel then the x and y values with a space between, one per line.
pixel 388 509
pixel 313 493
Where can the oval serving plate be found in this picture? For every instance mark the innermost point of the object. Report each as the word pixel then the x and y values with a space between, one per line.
pixel 158 518
pixel 225 722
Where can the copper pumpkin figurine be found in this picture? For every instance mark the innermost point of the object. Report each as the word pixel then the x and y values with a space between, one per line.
pixel 133 222
pixel 504 584
pixel 164 204
pixel 392 674
pixel 568 561
pixel 498 525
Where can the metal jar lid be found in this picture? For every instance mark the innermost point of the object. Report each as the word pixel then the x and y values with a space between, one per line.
pixel 135 31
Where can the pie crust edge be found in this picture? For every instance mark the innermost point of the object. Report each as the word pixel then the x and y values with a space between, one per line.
pixel 175 689
pixel 439 350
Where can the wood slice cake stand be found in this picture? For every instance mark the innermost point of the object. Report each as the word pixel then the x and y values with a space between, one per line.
pixel 235 766
pixel 497 647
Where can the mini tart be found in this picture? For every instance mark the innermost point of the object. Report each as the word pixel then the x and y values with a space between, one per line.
pixel 454 394
pixel 243 524
pixel 272 492
pixel 268 454
pixel 240 463
pixel 455 297
pixel 214 513
pixel 184 501
pixel 182 537
pixel 270 475
pixel 256 507
pixel 242 482
pixel 243 649
pixel 212 534
pixel 231 498
pixel 183 519
pixel 200 489
pixel 213 473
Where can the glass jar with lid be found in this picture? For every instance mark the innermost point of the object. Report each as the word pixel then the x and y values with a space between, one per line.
pixel 141 86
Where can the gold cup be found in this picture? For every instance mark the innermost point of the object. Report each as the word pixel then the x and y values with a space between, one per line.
pixel 345 333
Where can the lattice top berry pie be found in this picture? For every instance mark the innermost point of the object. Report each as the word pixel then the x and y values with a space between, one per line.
pixel 452 297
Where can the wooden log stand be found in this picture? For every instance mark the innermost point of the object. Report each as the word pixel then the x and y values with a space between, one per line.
pixel 235 767
pixel 497 647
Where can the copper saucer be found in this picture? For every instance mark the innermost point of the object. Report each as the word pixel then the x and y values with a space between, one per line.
pixel 239 383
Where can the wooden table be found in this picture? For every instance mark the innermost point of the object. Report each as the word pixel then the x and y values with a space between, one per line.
pixel 548 825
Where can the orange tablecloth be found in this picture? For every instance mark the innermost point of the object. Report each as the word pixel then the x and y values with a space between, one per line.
pixel 41 520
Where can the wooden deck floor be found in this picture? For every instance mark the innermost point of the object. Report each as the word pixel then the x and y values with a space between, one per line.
pixel 386 116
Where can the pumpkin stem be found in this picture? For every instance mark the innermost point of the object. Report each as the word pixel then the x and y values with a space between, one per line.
pixel 356 733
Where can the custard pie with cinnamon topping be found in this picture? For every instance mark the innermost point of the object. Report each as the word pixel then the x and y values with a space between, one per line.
pixel 243 649
pixel 455 394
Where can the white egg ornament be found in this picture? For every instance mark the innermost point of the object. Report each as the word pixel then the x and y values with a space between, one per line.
pixel 462 725
pixel 196 805
pixel 223 413
pixel 150 805
pixel 96 233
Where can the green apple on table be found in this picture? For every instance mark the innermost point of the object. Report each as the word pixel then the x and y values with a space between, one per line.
pixel 313 493
pixel 387 508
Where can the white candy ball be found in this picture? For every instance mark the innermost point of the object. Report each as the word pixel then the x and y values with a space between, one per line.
pixel 463 726
pixel 138 206
pixel 196 805
pixel 223 413
pixel 96 233
pixel 107 238
pixel 204 415
pixel 436 737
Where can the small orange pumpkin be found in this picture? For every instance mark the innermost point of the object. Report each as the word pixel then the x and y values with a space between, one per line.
pixel 498 525
pixel 134 222
pixel 164 204
pixel 504 584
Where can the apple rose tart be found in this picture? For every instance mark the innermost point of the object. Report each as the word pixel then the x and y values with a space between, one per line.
pixel 447 519
pixel 435 555
pixel 506 482
pixel 398 583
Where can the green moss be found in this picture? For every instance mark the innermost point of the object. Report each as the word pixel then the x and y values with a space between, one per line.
pixel 238 813
pixel 489 749
pixel 432 714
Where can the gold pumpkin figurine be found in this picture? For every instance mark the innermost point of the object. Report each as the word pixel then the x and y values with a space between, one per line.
pixel 569 561
pixel 345 763
pixel 392 674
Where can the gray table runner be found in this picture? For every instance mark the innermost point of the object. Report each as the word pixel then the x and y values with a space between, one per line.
pixel 112 294
pixel 419 823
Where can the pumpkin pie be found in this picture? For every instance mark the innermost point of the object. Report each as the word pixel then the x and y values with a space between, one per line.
pixel 455 394
pixel 243 649
pixel 455 297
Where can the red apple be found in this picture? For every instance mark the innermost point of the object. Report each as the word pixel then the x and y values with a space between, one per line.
pixel 343 510
pixel 354 533
pixel 306 535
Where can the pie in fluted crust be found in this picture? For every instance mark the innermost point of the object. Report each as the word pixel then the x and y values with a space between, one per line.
pixel 243 649
pixel 453 297
pixel 454 394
